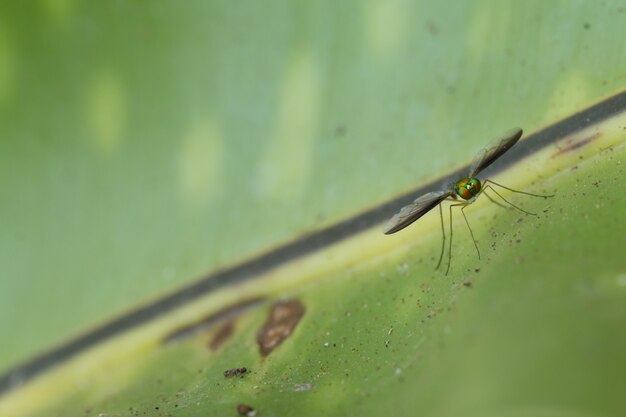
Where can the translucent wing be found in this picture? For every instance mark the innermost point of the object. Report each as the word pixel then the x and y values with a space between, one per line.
pixel 496 150
pixel 408 214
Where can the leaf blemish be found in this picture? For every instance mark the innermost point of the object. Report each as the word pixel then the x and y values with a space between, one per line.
pixel 222 334
pixel 281 322
pixel 222 317
pixel 572 145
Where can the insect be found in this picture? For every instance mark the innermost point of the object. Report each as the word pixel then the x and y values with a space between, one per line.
pixel 463 193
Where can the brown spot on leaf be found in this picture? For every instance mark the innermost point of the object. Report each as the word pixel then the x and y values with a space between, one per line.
pixel 283 319
pixel 208 323
pixel 572 145
pixel 246 410
pixel 222 334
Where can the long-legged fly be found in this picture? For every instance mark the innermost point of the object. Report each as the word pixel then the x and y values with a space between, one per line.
pixel 463 193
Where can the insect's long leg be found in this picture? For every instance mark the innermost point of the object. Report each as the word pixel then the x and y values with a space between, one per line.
pixel 515 191
pixel 450 243
pixel 443 234
pixel 470 229
pixel 492 200
pixel 507 201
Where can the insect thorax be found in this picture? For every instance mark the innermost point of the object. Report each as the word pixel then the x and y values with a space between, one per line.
pixel 467 188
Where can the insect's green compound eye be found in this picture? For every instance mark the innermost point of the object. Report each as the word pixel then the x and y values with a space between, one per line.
pixel 474 184
pixel 468 188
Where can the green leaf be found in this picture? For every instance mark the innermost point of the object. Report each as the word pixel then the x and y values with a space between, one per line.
pixel 147 145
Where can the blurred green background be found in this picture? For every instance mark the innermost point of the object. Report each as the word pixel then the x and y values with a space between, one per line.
pixel 144 144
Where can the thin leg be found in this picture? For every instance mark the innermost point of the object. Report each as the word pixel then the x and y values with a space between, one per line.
pixel 494 201
pixel 516 191
pixel 443 234
pixel 507 201
pixel 450 243
pixel 470 229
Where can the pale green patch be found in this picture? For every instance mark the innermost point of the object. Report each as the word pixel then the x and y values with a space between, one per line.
pixel 7 64
pixel 106 107
pixel 286 164
pixel 200 162
pixel 571 90
pixel 385 27
pixel 58 10
pixel 489 28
